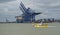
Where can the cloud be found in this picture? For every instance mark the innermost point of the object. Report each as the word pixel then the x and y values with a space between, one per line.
pixel 9 10
pixel 2 1
pixel 49 8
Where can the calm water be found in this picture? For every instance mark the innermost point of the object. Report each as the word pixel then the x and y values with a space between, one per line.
pixel 28 29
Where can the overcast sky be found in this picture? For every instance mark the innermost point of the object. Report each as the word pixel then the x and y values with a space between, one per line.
pixel 10 8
